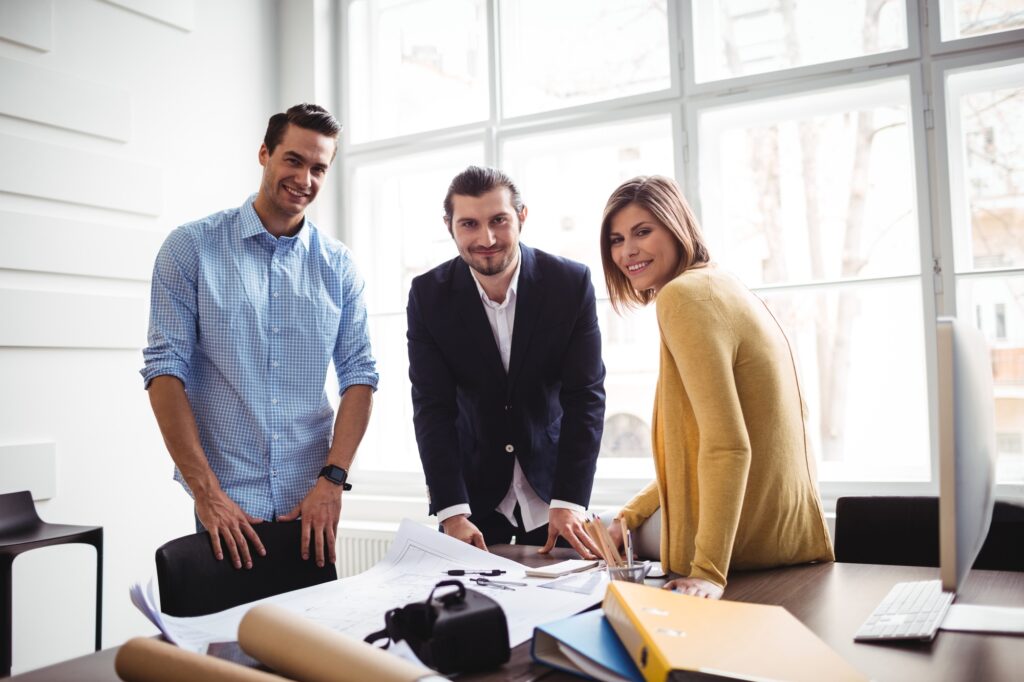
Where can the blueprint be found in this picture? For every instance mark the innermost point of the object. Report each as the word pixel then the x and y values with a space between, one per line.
pixel 417 560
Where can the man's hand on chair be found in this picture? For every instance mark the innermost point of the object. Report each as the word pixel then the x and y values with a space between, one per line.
pixel 320 511
pixel 229 526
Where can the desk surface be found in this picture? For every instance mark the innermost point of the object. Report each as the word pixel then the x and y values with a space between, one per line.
pixel 831 599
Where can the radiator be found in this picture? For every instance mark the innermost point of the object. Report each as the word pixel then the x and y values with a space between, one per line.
pixel 359 548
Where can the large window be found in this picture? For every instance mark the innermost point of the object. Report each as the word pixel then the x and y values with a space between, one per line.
pixel 802 134
pixel 984 107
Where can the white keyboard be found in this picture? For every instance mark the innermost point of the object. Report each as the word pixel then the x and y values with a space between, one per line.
pixel 910 611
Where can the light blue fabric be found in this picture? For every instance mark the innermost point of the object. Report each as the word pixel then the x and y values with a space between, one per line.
pixel 249 323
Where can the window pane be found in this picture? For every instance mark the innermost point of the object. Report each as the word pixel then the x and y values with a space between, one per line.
pixel 397 223
pixel 996 304
pixel 816 187
pixel 571 52
pixel 398 233
pixel 566 177
pixel 744 37
pixel 630 348
pixel 415 65
pixel 862 374
pixel 965 18
pixel 986 142
pixel 390 442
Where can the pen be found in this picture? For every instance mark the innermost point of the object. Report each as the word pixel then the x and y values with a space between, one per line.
pixel 488 581
pixel 468 571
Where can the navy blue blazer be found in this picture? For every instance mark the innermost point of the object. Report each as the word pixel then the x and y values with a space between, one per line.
pixel 472 420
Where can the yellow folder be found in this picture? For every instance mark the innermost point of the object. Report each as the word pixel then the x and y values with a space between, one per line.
pixel 673 636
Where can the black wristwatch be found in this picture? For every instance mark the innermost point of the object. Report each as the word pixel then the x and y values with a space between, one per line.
pixel 336 475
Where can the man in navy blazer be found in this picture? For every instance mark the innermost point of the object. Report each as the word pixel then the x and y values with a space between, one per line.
pixel 507 377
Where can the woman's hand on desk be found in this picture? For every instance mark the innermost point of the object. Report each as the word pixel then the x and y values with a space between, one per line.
pixel 695 587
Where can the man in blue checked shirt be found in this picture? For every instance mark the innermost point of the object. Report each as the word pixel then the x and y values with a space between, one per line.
pixel 249 306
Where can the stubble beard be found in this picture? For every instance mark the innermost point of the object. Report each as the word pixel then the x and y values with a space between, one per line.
pixel 488 266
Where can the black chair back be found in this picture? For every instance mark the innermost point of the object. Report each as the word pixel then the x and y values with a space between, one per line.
pixel 904 531
pixel 18 511
pixel 193 583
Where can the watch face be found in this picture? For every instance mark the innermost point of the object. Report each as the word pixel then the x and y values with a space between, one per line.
pixel 334 474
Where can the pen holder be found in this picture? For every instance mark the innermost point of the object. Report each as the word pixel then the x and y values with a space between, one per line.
pixel 631 574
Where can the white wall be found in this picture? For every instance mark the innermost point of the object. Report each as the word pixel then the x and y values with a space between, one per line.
pixel 118 121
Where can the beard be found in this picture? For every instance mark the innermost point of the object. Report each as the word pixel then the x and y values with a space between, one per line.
pixel 494 264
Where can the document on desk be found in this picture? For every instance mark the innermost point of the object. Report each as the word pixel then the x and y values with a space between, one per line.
pixel 417 560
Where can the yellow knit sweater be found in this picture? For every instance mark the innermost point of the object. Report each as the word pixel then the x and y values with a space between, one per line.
pixel 735 476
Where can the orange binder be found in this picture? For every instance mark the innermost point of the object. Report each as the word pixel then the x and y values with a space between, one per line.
pixel 674 636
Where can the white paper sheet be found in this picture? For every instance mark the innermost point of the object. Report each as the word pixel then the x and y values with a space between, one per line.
pixel 417 560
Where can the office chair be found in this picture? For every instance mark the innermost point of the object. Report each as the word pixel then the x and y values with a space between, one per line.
pixel 904 531
pixel 22 530
pixel 193 583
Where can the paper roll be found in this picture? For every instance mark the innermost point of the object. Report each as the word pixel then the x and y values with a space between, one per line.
pixel 308 652
pixel 150 660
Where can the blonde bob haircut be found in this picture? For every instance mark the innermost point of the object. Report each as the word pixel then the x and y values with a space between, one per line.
pixel 664 200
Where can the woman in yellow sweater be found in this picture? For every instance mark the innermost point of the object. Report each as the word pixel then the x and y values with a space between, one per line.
pixel 736 478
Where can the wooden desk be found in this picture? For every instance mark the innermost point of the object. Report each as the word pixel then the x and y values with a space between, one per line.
pixel 831 599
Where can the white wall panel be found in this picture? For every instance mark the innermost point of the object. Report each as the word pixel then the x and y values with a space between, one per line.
pixel 44 170
pixel 178 13
pixel 27 22
pixel 47 319
pixel 82 212
pixel 57 99
pixel 29 466
pixel 40 243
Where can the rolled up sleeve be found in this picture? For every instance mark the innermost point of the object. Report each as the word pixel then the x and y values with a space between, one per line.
pixel 353 356
pixel 173 310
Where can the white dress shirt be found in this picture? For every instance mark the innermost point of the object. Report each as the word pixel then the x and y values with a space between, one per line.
pixel 534 510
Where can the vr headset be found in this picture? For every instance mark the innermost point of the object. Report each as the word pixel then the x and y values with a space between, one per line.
pixel 460 631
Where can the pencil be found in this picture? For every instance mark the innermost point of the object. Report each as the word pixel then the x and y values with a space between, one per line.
pixel 625 541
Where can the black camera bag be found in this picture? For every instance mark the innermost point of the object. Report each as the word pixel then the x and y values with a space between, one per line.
pixel 461 631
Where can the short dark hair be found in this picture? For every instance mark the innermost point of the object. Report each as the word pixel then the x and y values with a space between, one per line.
pixel 476 181
pixel 309 116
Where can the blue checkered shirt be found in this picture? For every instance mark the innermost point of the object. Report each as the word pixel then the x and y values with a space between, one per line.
pixel 249 323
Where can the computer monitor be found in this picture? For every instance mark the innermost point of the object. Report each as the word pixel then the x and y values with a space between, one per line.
pixel 967 448
pixel 967 451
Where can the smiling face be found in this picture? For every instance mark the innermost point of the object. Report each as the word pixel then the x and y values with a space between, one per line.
pixel 292 176
pixel 486 231
pixel 644 250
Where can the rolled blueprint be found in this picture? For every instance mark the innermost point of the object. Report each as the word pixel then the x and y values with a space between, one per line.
pixel 308 652
pixel 142 659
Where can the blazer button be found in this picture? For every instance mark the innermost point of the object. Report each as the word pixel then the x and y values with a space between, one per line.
pixel 509 448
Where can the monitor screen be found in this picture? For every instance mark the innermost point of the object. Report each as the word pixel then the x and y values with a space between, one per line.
pixel 967 448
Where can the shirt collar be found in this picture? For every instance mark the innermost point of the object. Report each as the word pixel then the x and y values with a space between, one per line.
pixel 251 225
pixel 513 285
